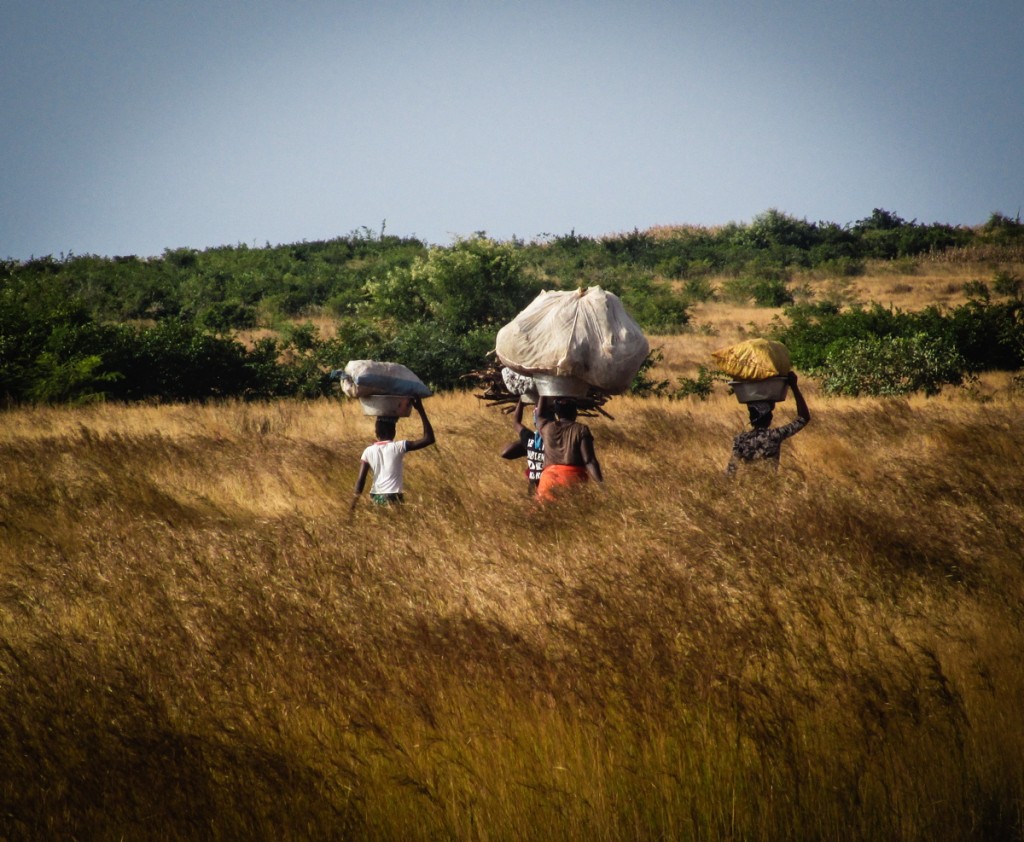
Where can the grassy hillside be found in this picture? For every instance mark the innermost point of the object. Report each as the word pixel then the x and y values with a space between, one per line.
pixel 198 641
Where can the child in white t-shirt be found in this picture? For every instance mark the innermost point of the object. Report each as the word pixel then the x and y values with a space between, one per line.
pixel 384 458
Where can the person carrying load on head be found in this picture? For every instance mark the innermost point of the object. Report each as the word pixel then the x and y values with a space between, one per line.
pixel 569 457
pixel 764 442
pixel 385 457
pixel 533 444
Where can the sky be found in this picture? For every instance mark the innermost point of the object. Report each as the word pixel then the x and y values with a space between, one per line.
pixel 132 127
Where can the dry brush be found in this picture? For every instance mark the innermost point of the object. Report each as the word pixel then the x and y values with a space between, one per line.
pixel 198 641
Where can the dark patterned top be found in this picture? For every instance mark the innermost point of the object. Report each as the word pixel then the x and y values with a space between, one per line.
pixel 534 444
pixel 764 443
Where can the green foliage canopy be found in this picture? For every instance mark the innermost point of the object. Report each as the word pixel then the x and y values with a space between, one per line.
pixel 86 327
pixel 882 351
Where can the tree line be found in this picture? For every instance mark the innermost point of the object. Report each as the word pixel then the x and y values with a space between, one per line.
pixel 83 327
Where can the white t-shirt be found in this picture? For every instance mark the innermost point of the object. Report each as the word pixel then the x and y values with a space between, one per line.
pixel 385 460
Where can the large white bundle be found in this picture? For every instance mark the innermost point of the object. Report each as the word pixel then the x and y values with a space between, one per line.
pixel 365 378
pixel 586 334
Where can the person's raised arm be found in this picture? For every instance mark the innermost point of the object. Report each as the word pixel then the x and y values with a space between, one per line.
pixel 517 418
pixel 801 404
pixel 427 438
pixel 543 404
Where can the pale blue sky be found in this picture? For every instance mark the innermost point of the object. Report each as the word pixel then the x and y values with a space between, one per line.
pixel 129 127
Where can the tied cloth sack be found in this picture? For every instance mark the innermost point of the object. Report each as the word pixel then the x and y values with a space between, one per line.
pixel 366 378
pixel 586 334
pixel 754 359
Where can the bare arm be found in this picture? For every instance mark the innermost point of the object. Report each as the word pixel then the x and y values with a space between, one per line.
pixel 542 410
pixel 364 469
pixel 427 438
pixel 590 459
pixel 801 404
pixel 517 418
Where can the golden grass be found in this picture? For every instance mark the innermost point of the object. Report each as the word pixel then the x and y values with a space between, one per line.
pixel 199 641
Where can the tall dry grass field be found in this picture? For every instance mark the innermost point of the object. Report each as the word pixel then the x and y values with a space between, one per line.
pixel 198 641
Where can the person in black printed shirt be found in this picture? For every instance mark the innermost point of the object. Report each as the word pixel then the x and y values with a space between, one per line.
pixel 764 442
pixel 533 443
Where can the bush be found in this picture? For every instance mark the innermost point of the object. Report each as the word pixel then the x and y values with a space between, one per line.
pixel 763 291
pixel 225 316
pixel 892 365
pixel 699 387
pixel 1006 283
pixel 976 290
pixel 656 307
pixel 840 267
pixel 76 380
pixel 645 386
pixel 68 326
pixel 698 290
pixel 990 336
pixel 439 355
pixel 814 328
pixel 474 283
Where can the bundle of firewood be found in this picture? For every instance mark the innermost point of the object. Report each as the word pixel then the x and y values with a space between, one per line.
pixel 494 390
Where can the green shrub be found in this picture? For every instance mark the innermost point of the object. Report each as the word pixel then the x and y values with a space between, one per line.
pixel 698 290
pixel 674 267
pixel 474 283
pixel 774 228
pixel 645 386
pixel 892 365
pixel 225 316
pixel 439 355
pixel 763 291
pixel 656 307
pixel 770 292
pixel 986 336
pixel 990 336
pixel 841 267
pixel 76 380
pixel 700 267
pixel 976 290
pixel 1004 229
pixel 1006 283
pixel 636 248
pixel 68 326
pixel 699 387
pixel 814 328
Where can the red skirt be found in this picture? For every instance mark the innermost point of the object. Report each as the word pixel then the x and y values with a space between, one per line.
pixel 559 476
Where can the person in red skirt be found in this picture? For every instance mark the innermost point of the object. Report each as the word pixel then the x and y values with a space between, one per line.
pixel 569 457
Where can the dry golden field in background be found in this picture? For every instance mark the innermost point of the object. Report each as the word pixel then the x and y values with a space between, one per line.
pixel 198 641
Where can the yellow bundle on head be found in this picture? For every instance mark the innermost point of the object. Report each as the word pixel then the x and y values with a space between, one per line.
pixel 754 359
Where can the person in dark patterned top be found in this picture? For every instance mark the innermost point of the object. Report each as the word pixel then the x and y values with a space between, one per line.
pixel 764 442
pixel 533 445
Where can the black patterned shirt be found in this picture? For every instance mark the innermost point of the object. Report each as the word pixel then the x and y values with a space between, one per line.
pixel 534 444
pixel 762 443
